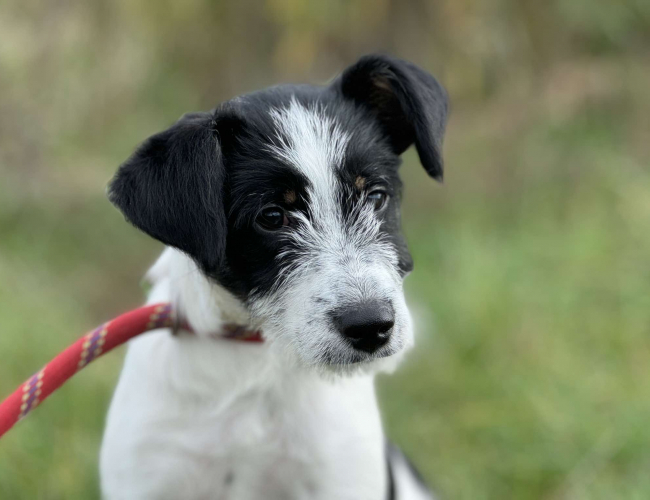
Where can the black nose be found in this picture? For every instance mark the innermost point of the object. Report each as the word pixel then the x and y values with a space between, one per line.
pixel 367 325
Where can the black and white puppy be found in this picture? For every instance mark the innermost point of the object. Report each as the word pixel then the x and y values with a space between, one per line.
pixel 281 211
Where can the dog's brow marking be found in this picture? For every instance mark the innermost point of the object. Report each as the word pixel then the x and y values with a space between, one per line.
pixel 360 183
pixel 290 197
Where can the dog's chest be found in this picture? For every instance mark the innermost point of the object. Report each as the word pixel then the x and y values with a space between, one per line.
pixel 260 448
pixel 293 438
pixel 268 447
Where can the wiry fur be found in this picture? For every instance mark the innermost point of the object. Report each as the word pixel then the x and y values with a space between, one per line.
pixel 296 417
pixel 336 259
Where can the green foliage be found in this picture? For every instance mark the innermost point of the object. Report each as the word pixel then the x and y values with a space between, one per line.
pixel 531 289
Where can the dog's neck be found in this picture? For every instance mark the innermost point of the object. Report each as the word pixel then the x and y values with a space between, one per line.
pixel 198 365
pixel 203 304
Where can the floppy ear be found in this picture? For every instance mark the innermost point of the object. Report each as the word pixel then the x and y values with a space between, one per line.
pixel 171 188
pixel 409 103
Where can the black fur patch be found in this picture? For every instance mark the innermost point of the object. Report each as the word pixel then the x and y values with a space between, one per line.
pixel 393 456
pixel 200 185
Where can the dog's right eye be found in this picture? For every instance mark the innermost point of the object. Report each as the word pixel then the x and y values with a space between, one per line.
pixel 272 218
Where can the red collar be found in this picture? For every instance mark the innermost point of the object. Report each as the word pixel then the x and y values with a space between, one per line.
pixel 233 331
pixel 229 331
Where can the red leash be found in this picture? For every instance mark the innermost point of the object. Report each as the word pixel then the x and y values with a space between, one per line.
pixel 88 348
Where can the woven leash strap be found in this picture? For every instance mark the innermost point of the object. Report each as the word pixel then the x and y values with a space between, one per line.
pixel 88 348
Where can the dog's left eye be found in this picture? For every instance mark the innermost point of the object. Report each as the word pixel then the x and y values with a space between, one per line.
pixel 378 199
pixel 272 218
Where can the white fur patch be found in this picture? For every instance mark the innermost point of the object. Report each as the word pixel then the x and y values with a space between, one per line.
pixel 197 418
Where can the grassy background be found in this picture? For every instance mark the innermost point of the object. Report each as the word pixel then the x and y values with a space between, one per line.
pixel 532 283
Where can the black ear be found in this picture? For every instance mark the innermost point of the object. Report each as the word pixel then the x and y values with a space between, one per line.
pixel 409 103
pixel 171 188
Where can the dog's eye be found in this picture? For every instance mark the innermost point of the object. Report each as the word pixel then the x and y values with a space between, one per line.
pixel 272 218
pixel 378 199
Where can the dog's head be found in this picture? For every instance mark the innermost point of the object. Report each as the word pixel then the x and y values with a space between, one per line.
pixel 289 198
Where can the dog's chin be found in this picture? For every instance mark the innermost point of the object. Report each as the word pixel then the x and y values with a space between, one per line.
pixel 349 362
pixel 333 355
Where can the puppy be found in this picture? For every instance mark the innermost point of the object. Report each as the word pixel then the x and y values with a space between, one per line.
pixel 281 213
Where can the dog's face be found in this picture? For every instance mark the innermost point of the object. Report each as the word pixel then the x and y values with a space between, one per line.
pixel 289 198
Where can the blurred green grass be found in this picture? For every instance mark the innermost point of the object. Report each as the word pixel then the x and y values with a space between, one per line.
pixel 531 290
